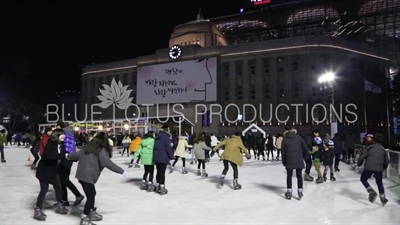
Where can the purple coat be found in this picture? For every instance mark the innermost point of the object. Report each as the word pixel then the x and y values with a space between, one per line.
pixel 162 148
pixel 69 141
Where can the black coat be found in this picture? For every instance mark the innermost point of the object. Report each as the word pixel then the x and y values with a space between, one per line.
pixel 48 165
pixel 294 150
pixel 338 145
pixel 327 157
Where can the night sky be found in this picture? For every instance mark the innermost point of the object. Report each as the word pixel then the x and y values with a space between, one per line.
pixel 45 44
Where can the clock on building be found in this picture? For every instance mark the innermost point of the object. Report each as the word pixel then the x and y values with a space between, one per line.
pixel 175 52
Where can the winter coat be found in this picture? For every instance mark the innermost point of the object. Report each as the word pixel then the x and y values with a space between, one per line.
pixel 145 151
pixel 43 143
pixel 47 168
pixel 180 150
pixel 350 142
pixel 328 156
pixel 3 139
pixel 69 141
pixel 338 147
pixel 375 157
pixel 90 165
pixel 270 141
pixel 35 146
pixel 314 150
pixel 135 144
pixel 162 148
pixel 251 139
pixel 260 142
pixel 199 150
pixel 233 150
pixel 214 141
pixel 278 143
pixel 294 150
pixel 126 142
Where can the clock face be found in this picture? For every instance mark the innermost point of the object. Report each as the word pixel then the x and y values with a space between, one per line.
pixel 175 52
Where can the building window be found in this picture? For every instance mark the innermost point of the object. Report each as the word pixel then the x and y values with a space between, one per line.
pixel 281 90
pixel 239 93
pixel 226 93
pixel 296 89
pixel 253 91
pixel 266 67
pixel 226 69
pixel 280 69
pixel 295 66
pixel 280 65
pixel 239 68
pixel 314 92
pixel 125 79
pixel 266 91
pixel 252 67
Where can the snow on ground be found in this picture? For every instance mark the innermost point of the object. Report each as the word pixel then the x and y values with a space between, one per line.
pixel 196 200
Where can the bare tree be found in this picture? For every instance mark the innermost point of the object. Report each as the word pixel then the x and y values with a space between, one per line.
pixel 15 111
pixel 34 115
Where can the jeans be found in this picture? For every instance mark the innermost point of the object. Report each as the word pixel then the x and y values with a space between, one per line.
pixel 176 160
pixel 289 175
pixel 308 165
pixel 65 171
pixel 366 174
pixel 35 155
pixel 234 167
pixel 90 192
pixel 148 171
pixel 160 176
pixel 44 187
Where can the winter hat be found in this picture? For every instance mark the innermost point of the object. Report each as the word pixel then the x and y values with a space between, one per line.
pixel 369 135
pixel 318 140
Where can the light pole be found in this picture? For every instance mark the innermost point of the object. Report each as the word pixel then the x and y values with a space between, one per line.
pixel 328 78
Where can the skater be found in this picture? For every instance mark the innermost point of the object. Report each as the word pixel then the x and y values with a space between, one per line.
pixel 309 141
pixel 278 145
pixel 64 167
pixel 251 143
pixel 327 160
pixel 214 142
pixel 350 145
pixel 376 161
pixel 47 173
pixel 125 144
pixel 338 150
pixel 34 148
pixel 3 141
pixel 162 155
pixel 145 152
pixel 294 151
pixel 260 142
pixel 199 151
pixel 92 159
pixel 180 152
pixel 133 147
pixel 232 155
pixel 269 143
pixel 316 154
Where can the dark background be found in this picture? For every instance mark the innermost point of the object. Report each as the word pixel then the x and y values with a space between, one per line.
pixel 45 44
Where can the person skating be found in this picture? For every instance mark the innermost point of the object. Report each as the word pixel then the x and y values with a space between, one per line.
pixel 145 152
pixel 199 151
pixel 260 142
pixel 251 143
pixel 134 146
pixel 316 153
pixel 309 141
pixel 34 148
pixel 47 173
pixel 232 155
pixel 278 145
pixel 376 161
pixel 3 141
pixel 269 144
pixel 294 151
pixel 92 159
pixel 338 150
pixel 350 145
pixel 327 160
pixel 180 152
pixel 162 155
pixel 126 141
pixel 214 142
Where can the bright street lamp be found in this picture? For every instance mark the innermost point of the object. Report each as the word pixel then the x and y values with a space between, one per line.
pixel 100 127
pixel 76 128
pixel 126 127
pixel 327 77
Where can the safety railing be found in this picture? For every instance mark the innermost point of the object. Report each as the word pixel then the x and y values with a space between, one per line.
pixel 393 171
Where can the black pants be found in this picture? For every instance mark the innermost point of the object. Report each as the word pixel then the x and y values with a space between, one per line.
pixel 337 160
pixel 366 174
pixel 252 146
pixel 201 162
pixel 90 192
pixel 65 171
pixel 308 165
pixel 289 174
pixel 127 150
pixel 176 160
pixel 278 152
pixel 350 154
pixel 137 160
pixel 234 167
pixel 2 151
pixel 44 187
pixel 148 171
pixel 270 149
pixel 160 176
pixel 260 149
pixel 35 155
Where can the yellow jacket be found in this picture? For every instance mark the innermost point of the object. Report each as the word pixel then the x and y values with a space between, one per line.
pixel 135 144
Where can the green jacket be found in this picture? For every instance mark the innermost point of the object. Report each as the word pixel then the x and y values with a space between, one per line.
pixel 145 151
pixel 3 140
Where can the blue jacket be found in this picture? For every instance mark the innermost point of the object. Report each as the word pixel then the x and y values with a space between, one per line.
pixel 162 148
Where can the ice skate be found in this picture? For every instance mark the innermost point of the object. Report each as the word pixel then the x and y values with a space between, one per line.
pixel 137 165
pixel 198 173
pixel 163 190
pixel 86 221
pixel 288 195
pixel 372 195
pixel 300 194
pixel 207 160
pixel 191 162
pixel 3 161
pixel 171 169
pixel 39 214
pixel 332 177
pixel 236 185
pixel 204 174
pixel 319 180
pixel 277 158
pixel 324 177
pixel 258 158
pixel 60 209
pixel 33 167
pixel 384 200
pixel 156 188
pixel 64 203
pixel 150 186
pixel 94 216
pixel 184 171
pixel 337 169
pixel 307 177
pixel 143 186
pixel 263 158
pixel 78 200
pixel 221 181
pixel 130 165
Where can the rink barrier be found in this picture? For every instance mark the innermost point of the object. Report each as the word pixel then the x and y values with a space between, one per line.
pixel 393 171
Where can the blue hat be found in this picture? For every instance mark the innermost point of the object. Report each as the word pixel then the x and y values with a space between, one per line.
pixel 318 140
pixel 330 143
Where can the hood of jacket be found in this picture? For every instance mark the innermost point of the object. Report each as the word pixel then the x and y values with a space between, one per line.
pixel 290 133
pixel 147 141
pixel 234 136
pixel 68 130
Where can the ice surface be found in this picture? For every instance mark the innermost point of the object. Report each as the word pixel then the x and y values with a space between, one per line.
pixel 196 200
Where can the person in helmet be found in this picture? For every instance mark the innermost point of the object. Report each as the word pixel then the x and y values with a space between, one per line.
pixel 316 154
pixel 327 160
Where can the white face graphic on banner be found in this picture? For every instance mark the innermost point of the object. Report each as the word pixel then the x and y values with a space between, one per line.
pixel 179 82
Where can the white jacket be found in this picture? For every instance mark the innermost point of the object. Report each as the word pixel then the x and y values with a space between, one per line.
pixel 214 141
pixel 126 140
pixel 181 147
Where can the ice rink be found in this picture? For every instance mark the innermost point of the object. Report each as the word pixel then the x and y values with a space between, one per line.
pixel 196 200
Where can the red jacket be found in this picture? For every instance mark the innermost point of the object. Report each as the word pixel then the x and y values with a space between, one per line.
pixel 43 142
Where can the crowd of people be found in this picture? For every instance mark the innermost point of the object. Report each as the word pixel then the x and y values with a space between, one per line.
pixel 56 149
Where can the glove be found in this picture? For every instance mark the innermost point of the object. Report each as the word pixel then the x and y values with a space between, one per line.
pixel 66 156
pixel 125 174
